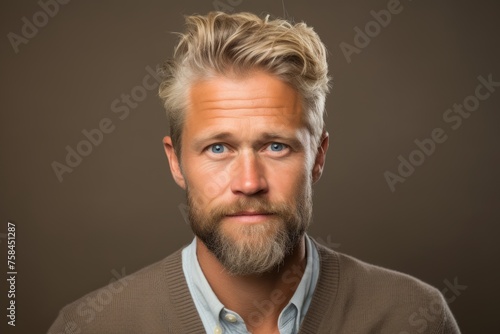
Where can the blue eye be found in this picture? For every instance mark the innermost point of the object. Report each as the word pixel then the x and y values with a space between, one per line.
pixel 277 147
pixel 217 148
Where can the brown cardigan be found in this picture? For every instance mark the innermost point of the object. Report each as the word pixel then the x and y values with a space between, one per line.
pixel 350 297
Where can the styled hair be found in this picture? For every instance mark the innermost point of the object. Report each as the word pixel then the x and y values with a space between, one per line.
pixel 222 44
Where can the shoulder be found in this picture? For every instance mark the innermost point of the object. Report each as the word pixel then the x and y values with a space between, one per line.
pixel 386 297
pixel 115 307
pixel 361 277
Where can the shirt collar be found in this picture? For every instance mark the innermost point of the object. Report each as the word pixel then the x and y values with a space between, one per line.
pixel 303 295
pixel 203 295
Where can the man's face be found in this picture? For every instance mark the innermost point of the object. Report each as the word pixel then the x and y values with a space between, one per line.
pixel 247 167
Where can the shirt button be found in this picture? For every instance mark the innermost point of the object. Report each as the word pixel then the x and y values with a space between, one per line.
pixel 217 330
pixel 230 317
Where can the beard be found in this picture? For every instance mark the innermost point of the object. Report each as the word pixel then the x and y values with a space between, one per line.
pixel 249 249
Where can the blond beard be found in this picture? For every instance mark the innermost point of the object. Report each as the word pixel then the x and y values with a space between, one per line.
pixel 249 249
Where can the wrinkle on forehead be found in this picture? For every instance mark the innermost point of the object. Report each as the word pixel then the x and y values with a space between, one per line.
pixel 257 95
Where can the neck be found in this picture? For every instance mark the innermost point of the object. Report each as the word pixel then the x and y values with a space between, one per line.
pixel 258 299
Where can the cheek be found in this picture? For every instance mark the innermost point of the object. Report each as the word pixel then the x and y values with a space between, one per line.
pixel 287 181
pixel 207 181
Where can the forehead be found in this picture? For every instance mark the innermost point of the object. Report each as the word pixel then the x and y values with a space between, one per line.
pixel 257 99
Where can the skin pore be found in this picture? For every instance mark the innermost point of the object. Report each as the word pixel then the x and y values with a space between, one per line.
pixel 245 148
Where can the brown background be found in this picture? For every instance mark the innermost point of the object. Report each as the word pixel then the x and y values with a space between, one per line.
pixel 120 208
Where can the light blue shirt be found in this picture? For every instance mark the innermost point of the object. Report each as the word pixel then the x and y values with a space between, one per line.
pixel 218 319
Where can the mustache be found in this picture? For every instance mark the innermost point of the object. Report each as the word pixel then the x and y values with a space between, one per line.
pixel 251 205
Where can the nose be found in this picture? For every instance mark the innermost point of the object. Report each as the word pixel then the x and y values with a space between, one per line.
pixel 248 175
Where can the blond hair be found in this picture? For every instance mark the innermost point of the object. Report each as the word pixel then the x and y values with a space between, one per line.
pixel 235 44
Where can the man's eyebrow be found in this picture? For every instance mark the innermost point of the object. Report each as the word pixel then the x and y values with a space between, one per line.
pixel 292 140
pixel 198 143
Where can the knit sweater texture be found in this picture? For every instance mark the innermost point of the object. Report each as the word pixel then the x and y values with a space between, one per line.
pixel 350 297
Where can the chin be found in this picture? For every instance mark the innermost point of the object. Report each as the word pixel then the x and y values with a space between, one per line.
pixel 253 231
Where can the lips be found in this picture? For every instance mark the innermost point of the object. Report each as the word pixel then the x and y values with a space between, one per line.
pixel 249 216
pixel 249 213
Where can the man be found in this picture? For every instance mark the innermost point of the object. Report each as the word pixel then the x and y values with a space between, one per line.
pixel 245 98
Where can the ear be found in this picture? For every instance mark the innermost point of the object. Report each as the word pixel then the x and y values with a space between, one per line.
pixel 319 162
pixel 173 160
